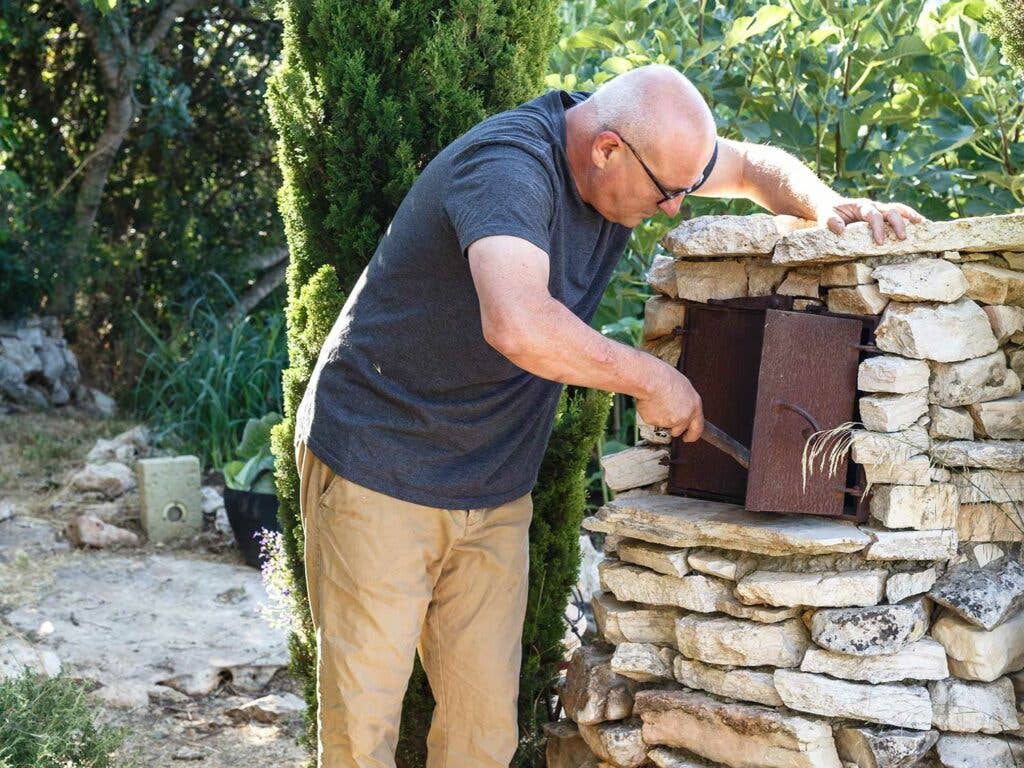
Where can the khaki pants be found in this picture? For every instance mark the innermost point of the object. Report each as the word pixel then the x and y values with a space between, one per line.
pixel 387 578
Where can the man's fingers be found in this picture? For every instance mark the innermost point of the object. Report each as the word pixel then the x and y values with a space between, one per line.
pixel 895 219
pixel 873 217
pixel 694 429
pixel 909 213
pixel 836 224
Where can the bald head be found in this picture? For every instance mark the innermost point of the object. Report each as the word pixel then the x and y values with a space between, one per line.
pixel 658 112
pixel 648 103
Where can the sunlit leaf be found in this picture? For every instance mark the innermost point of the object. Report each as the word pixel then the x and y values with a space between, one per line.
pixel 746 27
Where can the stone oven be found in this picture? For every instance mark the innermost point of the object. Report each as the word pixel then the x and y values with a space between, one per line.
pixel 855 599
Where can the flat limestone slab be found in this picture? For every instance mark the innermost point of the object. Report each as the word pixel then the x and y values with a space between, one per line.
pixel 740 643
pixel 736 735
pixel 621 622
pixel 977 654
pixel 971 235
pixel 684 522
pixel 820 590
pixel 923 660
pixel 722 236
pixel 956 750
pixel 905 706
pixel 740 683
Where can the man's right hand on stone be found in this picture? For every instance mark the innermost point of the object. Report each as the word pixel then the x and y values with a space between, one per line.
pixel 673 405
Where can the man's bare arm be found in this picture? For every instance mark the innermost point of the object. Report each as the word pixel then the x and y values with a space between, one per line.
pixel 776 180
pixel 522 321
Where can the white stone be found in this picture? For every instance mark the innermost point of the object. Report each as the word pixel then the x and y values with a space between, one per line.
pixel 917 470
pixel 740 683
pixel 991 522
pixel 685 522
pixel 950 423
pixel 984 454
pixel 111 479
pixel 905 706
pixel 978 486
pixel 592 692
pixel 889 373
pixel 925 507
pixel 973 381
pixel 662 275
pixel 661 316
pixel 667 348
pixel 871 631
pixel 892 413
pixel 634 467
pixel 90 531
pixel 999 419
pixel 858 300
pixel 711 562
pixel 718 236
pixel 849 274
pixel 913 545
pixel 763 279
pixel 881 447
pixel 1005 321
pixel 923 660
pixel 941 332
pixel 978 654
pixel 813 589
pixel 620 622
pixel 800 283
pixel 968 751
pixel 926 279
pixel 736 642
pixel 633 584
pixel 994 285
pixel 643 662
pixel 738 735
pixel 267 709
pixel 907 584
pixel 973 707
pixel 671 561
pixel 967 235
pixel 618 743
pixel 702 281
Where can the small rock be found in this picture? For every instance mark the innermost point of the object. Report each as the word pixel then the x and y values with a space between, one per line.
pixel 267 709
pixel 898 748
pixel 912 545
pixel 800 283
pixel 973 707
pixel 916 470
pixel 634 467
pixel 703 281
pixel 973 381
pixel 89 531
pixel 620 622
pixel 662 275
pixel 905 706
pixel 643 662
pixel 763 279
pixel 926 279
pixel 923 660
pixel 661 316
pixel 882 447
pixel 993 285
pixel 889 373
pixel 671 561
pixel 618 743
pixel 1000 419
pixel 950 423
pixel 812 589
pixel 903 585
pixel 970 751
pixel 18 656
pixel 741 643
pixel 111 479
pixel 985 597
pixel 978 654
pixel 942 332
pixel 858 300
pixel 593 693
pixel 870 631
pixel 926 507
pixel 742 684
pixel 188 753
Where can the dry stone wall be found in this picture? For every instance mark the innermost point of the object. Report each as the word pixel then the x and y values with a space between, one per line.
pixel 756 640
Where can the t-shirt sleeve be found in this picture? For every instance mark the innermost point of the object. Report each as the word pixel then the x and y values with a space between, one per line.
pixel 498 189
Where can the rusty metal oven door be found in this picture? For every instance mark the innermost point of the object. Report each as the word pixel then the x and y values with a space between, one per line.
pixel 807 383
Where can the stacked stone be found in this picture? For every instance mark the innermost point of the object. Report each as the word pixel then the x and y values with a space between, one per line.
pixel 733 638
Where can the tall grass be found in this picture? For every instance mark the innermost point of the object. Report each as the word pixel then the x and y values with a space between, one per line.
pixel 48 722
pixel 198 387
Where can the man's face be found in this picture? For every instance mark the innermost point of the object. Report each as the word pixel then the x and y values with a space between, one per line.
pixel 627 193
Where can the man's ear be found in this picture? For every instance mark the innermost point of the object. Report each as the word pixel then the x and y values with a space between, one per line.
pixel 605 143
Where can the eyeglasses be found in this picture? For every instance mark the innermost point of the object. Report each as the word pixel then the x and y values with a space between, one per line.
pixel 673 194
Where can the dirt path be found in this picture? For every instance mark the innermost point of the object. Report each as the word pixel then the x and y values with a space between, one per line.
pixel 170 637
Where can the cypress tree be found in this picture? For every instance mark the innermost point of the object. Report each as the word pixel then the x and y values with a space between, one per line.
pixel 366 93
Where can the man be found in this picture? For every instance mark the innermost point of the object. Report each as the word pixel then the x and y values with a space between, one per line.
pixel 421 433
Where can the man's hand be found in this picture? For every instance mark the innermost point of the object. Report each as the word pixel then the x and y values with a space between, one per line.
pixel 847 211
pixel 673 405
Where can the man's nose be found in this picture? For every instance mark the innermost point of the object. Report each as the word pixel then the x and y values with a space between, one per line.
pixel 671 207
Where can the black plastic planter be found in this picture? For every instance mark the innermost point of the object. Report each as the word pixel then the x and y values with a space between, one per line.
pixel 248 512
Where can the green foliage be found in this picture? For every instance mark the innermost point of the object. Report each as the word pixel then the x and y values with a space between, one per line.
pixel 20 288
pixel 558 507
pixel 48 722
pixel 365 95
pixel 191 189
pixel 1008 27
pixel 198 388
pixel 255 457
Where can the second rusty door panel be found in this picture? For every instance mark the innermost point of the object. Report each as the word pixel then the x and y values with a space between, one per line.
pixel 807 382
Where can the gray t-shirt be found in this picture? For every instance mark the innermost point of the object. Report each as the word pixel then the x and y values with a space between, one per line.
pixel 407 397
